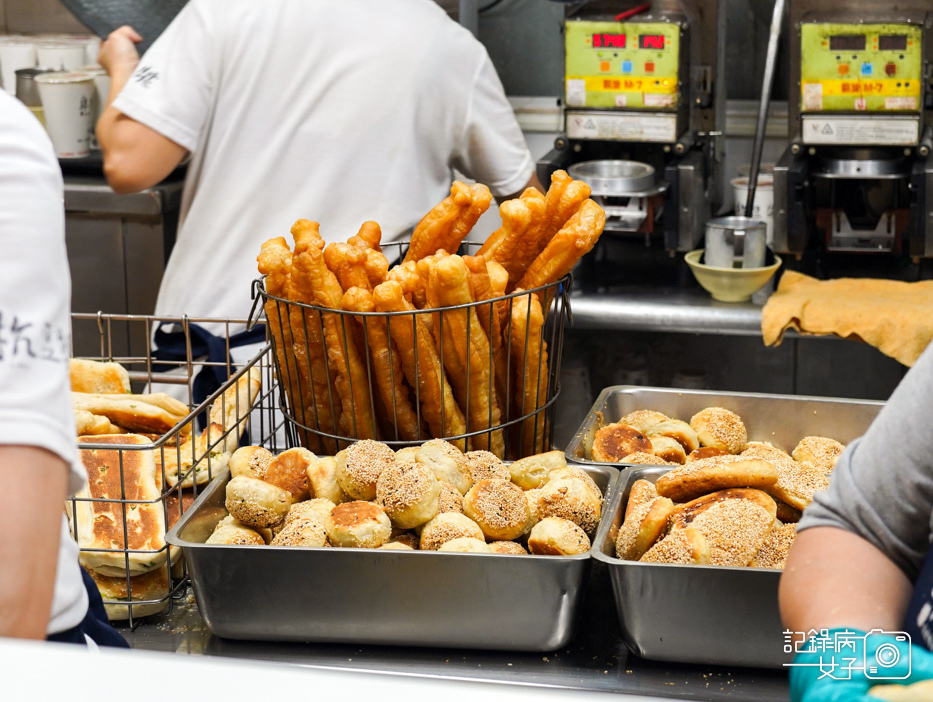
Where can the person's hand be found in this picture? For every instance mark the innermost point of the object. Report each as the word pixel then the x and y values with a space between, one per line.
pixel 118 54
pixel 829 674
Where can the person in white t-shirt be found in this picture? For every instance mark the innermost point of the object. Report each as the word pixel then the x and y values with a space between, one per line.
pixel 338 112
pixel 41 589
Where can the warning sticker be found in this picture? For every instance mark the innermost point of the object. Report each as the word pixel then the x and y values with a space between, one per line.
pixel 900 103
pixel 656 100
pixel 812 96
pixel 576 92
pixel 621 100
pixel 884 132
pixel 623 127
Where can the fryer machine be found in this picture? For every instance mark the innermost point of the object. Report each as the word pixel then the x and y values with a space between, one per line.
pixel 642 109
pixel 856 176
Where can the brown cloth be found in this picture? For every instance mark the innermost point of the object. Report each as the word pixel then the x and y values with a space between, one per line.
pixel 893 316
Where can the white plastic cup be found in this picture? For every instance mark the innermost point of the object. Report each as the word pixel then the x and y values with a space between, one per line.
pixel 91 48
pixel 68 101
pixel 101 92
pixel 15 53
pixel 62 55
pixel 763 207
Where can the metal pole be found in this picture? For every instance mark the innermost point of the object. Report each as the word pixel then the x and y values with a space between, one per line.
pixel 776 20
pixel 468 14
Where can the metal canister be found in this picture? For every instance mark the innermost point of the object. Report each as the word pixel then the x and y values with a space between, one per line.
pixel 26 89
pixel 735 242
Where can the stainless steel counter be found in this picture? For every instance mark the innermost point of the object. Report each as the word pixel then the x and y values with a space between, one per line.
pixel 596 659
pixel 661 309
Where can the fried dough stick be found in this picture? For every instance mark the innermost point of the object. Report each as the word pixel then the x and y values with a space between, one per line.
pixel 406 275
pixel 514 244
pixel 481 287
pixel 529 357
pixel 275 261
pixel 352 381
pixel 577 237
pixel 445 226
pixel 466 353
pixel 420 362
pixel 348 263
pixel 387 366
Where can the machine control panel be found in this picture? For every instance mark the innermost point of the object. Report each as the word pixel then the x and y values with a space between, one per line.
pixel 860 68
pixel 622 65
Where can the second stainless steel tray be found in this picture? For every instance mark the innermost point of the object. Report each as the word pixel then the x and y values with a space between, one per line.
pixel 690 614
pixel 365 596
pixel 782 420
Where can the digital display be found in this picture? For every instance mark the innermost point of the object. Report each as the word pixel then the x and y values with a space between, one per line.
pixel 892 42
pixel 651 41
pixel 608 41
pixel 847 42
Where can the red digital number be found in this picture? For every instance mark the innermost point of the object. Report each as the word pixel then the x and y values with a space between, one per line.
pixel 651 41
pixel 614 41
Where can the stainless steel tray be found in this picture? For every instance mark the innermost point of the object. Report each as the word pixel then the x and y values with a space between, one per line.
pixel 363 596
pixel 690 614
pixel 782 420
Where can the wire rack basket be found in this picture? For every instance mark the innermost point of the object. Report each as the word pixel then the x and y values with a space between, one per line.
pixel 483 375
pixel 137 572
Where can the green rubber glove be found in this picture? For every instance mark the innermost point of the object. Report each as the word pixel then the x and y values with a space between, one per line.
pixel 840 665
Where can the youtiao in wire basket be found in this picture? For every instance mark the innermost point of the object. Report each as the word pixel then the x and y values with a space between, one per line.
pixel 141 484
pixel 481 374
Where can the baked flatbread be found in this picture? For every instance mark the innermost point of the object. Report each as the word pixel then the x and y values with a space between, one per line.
pixel 98 376
pixel 132 414
pixel 100 525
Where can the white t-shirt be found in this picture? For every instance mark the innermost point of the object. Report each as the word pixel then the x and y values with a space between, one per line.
pixel 35 323
pixel 338 112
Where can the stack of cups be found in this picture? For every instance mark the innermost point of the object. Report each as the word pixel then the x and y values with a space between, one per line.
pixel 15 52
pixel 62 54
pixel 68 100
pixel 101 91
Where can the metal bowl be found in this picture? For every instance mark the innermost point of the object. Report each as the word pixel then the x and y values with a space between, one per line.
pixel 617 178
pixel 863 163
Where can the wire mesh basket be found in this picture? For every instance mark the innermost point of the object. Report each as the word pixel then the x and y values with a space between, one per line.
pixel 483 375
pixel 137 491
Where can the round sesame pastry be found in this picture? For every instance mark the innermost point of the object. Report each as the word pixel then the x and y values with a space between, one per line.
pixel 449 499
pixel 685 513
pixel 819 451
pixel 631 541
pixel 668 449
pixel 773 552
pixel 409 494
pixel 797 484
pixel 704 452
pixel 359 466
pixel 720 428
pixel 447 462
pixel 646 459
pixel 787 514
pixel 509 548
pixel 233 533
pixel 717 473
pixel 406 538
pixel 643 420
pixel 533 499
pixel 769 453
pixel 553 536
pixel 735 530
pixel 675 429
pixel 304 533
pixel 464 544
pixel 485 465
pixel 614 441
pixel 256 503
pixel 532 471
pixel 653 526
pixel 571 499
pixel 499 507
pixel 404 455
pixel 250 461
pixel 576 473
pixel 317 509
pixel 358 524
pixel 322 475
pixel 681 546
pixel 446 527
pixel 642 493
pixel 289 471
pixel 395 546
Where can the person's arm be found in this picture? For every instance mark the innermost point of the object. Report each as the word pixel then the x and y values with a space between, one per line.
pixel 136 157
pixel 533 182
pixel 835 579
pixel 35 485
